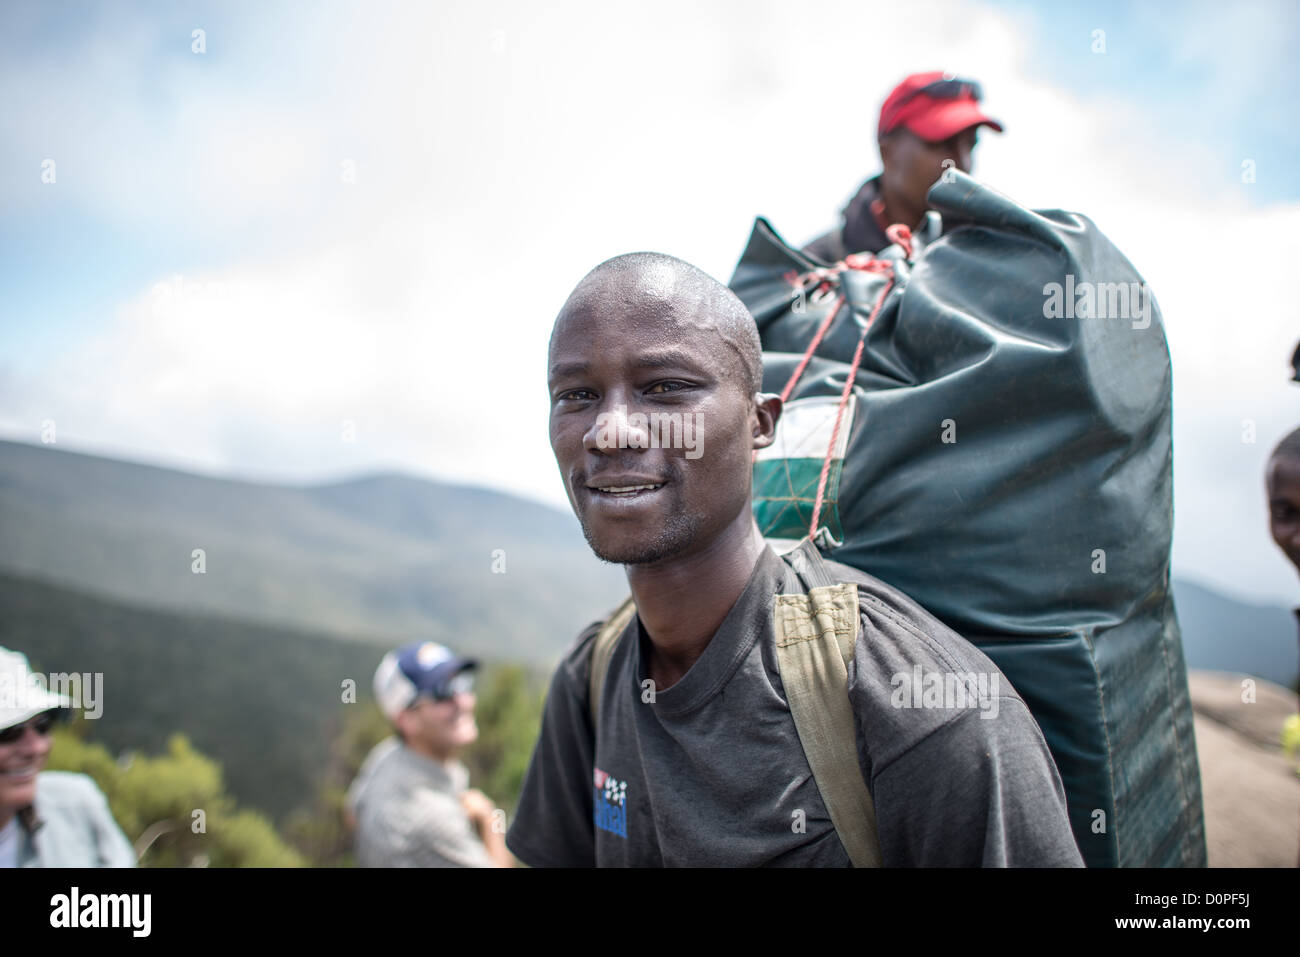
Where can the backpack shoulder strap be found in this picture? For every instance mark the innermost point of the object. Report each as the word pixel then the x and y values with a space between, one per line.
pixel 815 637
pixel 602 650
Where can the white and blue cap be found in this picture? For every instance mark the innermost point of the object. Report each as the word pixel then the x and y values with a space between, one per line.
pixel 422 667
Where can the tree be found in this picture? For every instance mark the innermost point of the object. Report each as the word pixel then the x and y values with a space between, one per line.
pixel 173 807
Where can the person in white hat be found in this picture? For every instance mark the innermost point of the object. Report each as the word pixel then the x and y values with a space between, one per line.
pixel 411 801
pixel 47 818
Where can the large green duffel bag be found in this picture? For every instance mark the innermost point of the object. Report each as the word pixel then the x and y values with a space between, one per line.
pixel 1002 456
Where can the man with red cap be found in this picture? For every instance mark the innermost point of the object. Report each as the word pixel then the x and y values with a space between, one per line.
pixel 927 125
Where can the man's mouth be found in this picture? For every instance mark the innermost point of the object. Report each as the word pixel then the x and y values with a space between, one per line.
pixel 19 774
pixel 625 490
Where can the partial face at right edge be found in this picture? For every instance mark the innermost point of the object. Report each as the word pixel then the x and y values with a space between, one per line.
pixel 1283 480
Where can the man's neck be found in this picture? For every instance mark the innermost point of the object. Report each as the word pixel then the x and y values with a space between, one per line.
pixel 899 210
pixel 6 816
pixel 445 758
pixel 682 604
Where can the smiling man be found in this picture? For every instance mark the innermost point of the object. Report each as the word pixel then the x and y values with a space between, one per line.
pixel 411 801
pixel 928 124
pixel 47 818
pixel 687 752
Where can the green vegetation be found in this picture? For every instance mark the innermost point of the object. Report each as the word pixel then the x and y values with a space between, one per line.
pixel 509 715
pixel 177 803
pixel 1291 739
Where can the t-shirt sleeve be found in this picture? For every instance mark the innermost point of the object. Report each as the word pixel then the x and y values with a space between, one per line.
pixel 958 780
pixel 977 791
pixel 553 825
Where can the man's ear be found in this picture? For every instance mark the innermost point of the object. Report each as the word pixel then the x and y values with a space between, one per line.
pixel 767 412
pixel 401 723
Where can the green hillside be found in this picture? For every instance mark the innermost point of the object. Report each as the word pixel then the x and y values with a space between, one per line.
pixel 386 558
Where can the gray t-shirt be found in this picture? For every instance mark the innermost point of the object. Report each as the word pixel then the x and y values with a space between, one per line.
pixel 409 813
pixel 711 771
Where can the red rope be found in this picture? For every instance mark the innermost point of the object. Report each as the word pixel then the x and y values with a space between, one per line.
pixel 898 234
pixel 812 347
pixel 901 236
pixel 822 277
pixel 844 401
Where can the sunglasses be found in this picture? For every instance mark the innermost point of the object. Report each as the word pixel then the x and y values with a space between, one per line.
pixel 954 89
pixel 42 724
pixel 463 683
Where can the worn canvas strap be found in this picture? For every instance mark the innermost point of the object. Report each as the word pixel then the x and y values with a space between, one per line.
pixel 815 637
pixel 603 648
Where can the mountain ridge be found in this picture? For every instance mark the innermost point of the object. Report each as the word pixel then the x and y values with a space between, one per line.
pixel 392 556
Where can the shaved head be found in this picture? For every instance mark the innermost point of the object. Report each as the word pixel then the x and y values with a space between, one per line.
pixel 683 295
pixel 654 371
pixel 1289 447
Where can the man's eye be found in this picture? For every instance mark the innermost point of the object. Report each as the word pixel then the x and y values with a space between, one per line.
pixel 662 387
pixel 579 394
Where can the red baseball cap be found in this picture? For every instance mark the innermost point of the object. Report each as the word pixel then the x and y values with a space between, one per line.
pixel 934 106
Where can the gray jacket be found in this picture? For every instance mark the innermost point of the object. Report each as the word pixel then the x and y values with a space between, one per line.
pixel 858 231
pixel 70 825
pixel 409 813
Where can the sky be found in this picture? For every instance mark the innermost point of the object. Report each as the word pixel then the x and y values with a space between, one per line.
pixel 311 242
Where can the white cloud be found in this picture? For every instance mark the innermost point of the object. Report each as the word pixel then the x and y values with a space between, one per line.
pixel 501 155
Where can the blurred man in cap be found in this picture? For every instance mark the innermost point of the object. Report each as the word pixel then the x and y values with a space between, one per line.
pixel 47 818
pixel 411 800
pixel 927 124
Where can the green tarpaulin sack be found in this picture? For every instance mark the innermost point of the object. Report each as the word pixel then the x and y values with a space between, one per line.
pixel 985 425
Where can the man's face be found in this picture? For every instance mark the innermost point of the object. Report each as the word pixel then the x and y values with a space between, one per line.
pixel 441 728
pixel 1284 506
pixel 912 165
pixel 631 354
pixel 20 762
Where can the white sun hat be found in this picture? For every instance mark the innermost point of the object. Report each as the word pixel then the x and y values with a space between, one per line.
pixel 23 694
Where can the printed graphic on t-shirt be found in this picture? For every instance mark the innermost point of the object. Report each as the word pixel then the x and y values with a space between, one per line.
pixel 610 803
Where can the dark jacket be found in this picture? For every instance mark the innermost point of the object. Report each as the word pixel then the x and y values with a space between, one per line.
pixel 860 231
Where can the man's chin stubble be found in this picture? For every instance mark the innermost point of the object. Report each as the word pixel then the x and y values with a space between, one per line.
pixel 675 537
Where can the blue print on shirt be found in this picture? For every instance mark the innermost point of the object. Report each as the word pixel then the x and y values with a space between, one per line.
pixel 610 803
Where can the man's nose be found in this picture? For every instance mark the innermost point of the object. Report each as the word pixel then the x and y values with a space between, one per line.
pixel 617 427
pixel 963 159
